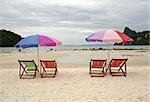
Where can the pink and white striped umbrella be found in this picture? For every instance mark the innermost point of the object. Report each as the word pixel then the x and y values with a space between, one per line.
pixel 109 36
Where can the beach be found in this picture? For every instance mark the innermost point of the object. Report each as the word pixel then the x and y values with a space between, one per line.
pixel 73 82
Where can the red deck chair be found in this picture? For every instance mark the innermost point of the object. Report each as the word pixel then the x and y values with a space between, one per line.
pixel 97 68
pixel 116 67
pixel 48 68
pixel 27 69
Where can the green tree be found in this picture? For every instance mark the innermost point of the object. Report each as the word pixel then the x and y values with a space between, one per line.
pixel 8 38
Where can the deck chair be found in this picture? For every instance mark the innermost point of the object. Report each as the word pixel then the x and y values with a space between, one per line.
pixel 48 68
pixel 116 67
pixel 97 68
pixel 27 69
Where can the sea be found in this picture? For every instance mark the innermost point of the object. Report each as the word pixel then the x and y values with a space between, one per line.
pixel 80 47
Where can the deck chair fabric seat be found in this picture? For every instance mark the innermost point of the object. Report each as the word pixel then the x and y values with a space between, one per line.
pixel 49 64
pixel 118 67
pixel 96 68
pixel 48 68
pixel 30 66
pixel 97 63
pixel 27 69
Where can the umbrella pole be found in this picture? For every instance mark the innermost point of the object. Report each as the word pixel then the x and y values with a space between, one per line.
pixel 107 61
pixel 38 58
pixel 38 55
pixel 108 56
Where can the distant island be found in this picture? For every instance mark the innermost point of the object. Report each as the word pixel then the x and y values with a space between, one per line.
pixel 140 38
pixel 9 39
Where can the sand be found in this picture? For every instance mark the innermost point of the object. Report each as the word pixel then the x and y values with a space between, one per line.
pixel 73 83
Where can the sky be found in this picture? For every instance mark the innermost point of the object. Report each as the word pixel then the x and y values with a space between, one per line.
pixel 71 21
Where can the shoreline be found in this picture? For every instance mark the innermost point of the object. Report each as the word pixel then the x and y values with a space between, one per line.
pixel 75 58
pixel 13 49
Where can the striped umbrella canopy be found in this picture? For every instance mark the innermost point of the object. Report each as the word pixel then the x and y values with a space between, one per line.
pixel 109 36
pixel 37 40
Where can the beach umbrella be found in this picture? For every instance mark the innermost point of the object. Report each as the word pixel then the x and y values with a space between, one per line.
pixel 36 41
pixel 109 36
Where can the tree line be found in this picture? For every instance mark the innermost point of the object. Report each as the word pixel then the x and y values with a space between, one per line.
pixel 8 38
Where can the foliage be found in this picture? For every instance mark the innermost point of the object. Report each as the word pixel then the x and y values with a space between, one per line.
pixel 140 38
pixel 8 38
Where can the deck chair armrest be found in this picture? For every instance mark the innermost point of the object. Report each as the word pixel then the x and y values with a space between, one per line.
pixel 104 64
pixel 90 64
pixel 123 64
pixel 41 65
pixel 55 64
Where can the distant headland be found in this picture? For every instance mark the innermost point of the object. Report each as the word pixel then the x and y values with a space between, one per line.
pixel 9 38
pixel 139 38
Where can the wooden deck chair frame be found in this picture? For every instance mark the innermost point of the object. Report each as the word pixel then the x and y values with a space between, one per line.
pixel 101 66
pixel 118 67
pixel 48 70
pixel 24 71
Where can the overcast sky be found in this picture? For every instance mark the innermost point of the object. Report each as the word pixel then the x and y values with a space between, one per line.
pixel 71 21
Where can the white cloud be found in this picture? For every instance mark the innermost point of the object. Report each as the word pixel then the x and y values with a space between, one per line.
pixel 72 19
